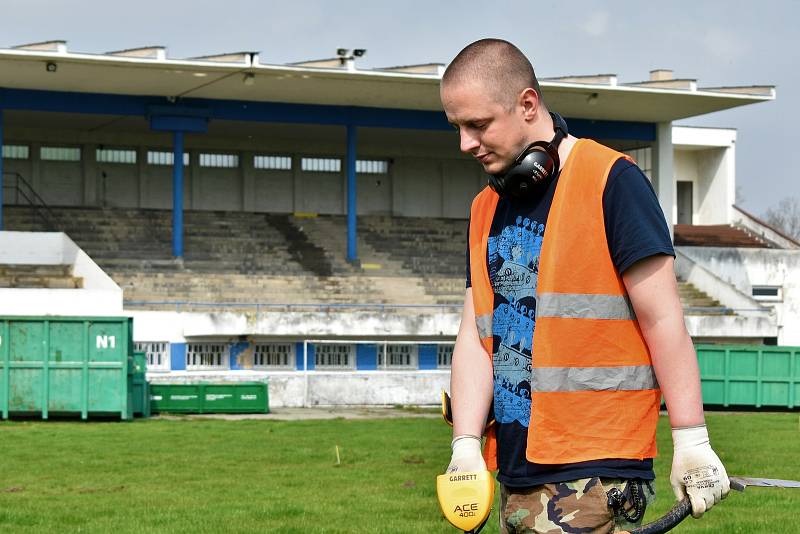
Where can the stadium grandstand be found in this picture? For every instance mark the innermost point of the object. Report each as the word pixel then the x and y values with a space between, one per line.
pixel 306 223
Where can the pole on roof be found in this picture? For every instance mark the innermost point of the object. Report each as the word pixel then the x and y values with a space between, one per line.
pixel 1 169
pixel 352 254
pixel 177 194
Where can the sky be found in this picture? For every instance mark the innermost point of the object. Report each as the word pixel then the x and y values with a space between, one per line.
pixel 718 42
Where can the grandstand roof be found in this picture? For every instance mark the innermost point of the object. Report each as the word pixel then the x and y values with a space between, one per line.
pixel 241 76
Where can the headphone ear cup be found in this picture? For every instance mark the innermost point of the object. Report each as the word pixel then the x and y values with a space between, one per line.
pixel 537 165
pixel 497 183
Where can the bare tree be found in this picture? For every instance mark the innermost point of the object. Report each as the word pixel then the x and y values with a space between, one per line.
pixel 785 216
pixel 740 198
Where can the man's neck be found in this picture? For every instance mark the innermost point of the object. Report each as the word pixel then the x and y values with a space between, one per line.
pixel 565 149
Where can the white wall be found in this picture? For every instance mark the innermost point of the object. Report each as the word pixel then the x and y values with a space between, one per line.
pixel 707 158
pixel 60 183
pixel 100 295
pixel 273 191
pixel 744 268
pixel 156 186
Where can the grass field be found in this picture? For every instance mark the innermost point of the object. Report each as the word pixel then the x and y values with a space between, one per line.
pixel 209 476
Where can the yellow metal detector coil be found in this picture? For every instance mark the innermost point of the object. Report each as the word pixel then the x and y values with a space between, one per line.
pixel 466 498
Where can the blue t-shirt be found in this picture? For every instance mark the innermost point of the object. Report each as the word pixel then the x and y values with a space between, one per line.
pixel 635 229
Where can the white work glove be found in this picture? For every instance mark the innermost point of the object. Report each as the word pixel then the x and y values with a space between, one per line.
pixel 697 470
pixel 466 454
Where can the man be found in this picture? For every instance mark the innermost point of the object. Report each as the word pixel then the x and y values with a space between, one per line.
pixel 570 316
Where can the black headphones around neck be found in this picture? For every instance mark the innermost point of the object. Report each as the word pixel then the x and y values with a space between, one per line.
pixel 535 165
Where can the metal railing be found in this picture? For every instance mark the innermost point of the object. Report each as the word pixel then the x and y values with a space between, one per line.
pixel 20 186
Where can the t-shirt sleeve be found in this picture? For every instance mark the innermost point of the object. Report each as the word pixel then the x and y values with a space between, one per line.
pixel 469 278
pixel 635 225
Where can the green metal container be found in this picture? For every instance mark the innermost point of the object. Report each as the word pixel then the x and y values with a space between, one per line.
pixel 240 397
pixel 176 398
pixel 750 375
pixel 139 385
pixel 66 366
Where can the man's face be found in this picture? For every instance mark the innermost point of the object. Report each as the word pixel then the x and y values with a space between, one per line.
pixel 489 130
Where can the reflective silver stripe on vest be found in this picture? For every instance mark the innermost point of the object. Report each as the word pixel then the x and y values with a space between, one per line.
pixel 623 378
pixel 584 306
pixel 484 323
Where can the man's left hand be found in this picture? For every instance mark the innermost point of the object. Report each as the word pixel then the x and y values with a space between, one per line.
pixel 697 470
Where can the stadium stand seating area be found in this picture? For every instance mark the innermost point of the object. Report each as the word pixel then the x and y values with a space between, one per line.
pixel 243 259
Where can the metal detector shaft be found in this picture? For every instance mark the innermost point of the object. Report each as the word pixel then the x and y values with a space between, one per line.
pixel 683 508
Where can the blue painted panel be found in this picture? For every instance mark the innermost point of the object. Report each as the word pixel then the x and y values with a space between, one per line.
pixel 638 131
pixel 235 350
pixel 98 103
pixel 311 360
pixel 298 355
pixel 177 356
pixel 320 114
pixel 178 110
pixel 63 101
pixel 166 123
pixel 29 99
pixel 428 356
pixel 366 357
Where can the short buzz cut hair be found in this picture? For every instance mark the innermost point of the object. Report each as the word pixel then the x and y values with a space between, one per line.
pixel 497 64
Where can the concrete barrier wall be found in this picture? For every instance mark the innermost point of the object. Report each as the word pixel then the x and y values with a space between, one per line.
pixel 180 326
pixel 359 388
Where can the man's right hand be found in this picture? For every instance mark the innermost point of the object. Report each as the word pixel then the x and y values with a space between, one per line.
pixel 466 454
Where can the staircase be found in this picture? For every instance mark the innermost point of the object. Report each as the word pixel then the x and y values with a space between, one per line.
pixel 695 302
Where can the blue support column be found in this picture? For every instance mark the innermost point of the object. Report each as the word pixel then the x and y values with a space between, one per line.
pixel 177 356
pixel 366 356
pixel 298 354
pixel 428 356
pixel 177 195
pixel 1 169
pixel 352 254
pixel 235 350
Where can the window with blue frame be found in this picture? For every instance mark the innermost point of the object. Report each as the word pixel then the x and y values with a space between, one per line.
pixel 335 356
pixel 398 356
pixel 274 356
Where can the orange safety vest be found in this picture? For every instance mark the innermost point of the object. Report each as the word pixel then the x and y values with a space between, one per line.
pixel 594 394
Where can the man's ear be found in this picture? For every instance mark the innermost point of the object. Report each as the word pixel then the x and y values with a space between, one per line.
pixel 528 101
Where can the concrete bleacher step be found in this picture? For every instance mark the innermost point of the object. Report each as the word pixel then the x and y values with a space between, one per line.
pixel 276 258
pixel 427 247
pixel 696 302
pixel 330 231
pixel 39 277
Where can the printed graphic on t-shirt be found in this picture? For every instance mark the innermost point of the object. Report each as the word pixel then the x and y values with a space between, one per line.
pixel 513 270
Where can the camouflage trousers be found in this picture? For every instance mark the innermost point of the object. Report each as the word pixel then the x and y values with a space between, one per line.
pixel 578 507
